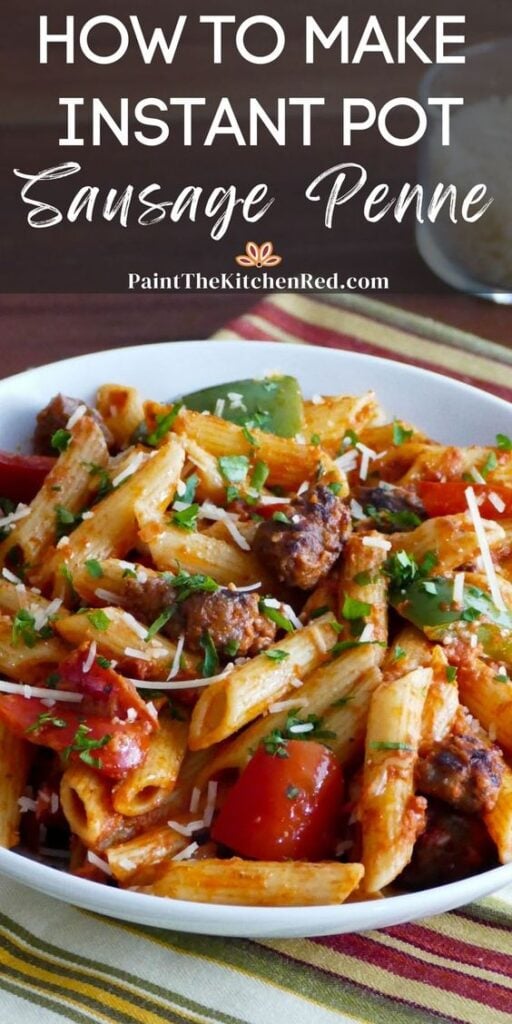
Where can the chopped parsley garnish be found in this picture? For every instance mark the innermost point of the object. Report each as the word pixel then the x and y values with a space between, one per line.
pixel 164 423
pixel 65 521
pixel 129 574
pixel 83 746
pixel 349 438
pixel 281 517
pixel 99 620
pixel 388 745
pixel 159 623
pixel 234 468
pixel 354 609
pixel 335 488
pixel 259 475
pixel 275 615
pixel 46 718
pixel 399 653
pixel 190 489
pixel 400 434
pixel 470 614
pixel 189 583
pixel 186 519
pixel 504 442
pixel 231 648
pixel 60 440
pixel 429 586
pixel 363 579
pixel 94 568
pixel 451 673
pixel 103 662
pixel 66 574
pixel 292 792
pixel 250 438
pixel 404 519
pixel 318 612
pixel 275 742
pixel 232 494
pixel 52 680
pixel 277 655
pixel 104 481
pixel 315 439
pixel 210 665
pixel 341 702
pixel 402 569
pixel 24 628
pixel 490 463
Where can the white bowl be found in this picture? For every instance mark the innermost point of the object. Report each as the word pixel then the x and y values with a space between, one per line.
pixel 449 411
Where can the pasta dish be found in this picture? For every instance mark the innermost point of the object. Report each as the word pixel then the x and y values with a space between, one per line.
pixel 255 649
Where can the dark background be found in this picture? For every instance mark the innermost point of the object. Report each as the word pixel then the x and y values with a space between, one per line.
pixel 97 257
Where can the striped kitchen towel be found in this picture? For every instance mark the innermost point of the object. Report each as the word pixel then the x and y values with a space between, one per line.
pixel 59 963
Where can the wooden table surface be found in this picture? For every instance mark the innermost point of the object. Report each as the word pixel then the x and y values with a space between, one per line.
pixel 37 329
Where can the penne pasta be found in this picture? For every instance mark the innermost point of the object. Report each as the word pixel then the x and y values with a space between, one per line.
pixel 123 411
pixel 363 584
pixel 147 786
pixel 390 813
pixel 15 760
pixel 86 801
pixel 247 691
pixel 199 553
pixel 452 538
pixel 246 883
pixel 332 417
pixel 126 860
pixel 499 820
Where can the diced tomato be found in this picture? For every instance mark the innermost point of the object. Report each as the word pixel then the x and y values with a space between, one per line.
pixel 105 692
pixel 125 748
pixel 286 807
pixel 21 476
pixel 447 499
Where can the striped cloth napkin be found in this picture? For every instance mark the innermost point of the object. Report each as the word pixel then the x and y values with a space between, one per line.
pixel 59 963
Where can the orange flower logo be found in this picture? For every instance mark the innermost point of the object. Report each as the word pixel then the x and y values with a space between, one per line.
pixel 259 256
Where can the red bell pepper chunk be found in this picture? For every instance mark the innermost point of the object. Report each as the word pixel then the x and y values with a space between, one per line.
pixel 284 807
pixel 21 476
pixel 82 739
pixel 447 499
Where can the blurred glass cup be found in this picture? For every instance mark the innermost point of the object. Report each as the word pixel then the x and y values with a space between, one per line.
pixel 471 257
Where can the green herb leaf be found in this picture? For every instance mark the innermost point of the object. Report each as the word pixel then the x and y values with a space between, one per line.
pixel 190 489
pixel 335 488
pixel 340 703
pixel 405 519
pixel 281 517
pixel 318 612
pixel 504 442
pixel 83 746
pixel 350 438
pixel 259 476
pixel 160 622
pixel 275 615
pixel 354 609
pixel 187 583
pixel 399 653
pixel 315 439
pixel 24 628
pixel 250 438
pixel 104 481
pixel 103 662
pixel 129 574
pixel 163 425
pixel 232 494
pixel 363 579
pixel 99 620
pixel 60 439
pixel 490 463
pixel 186 519
pixel 46 718
pixel 385 745
pixel 65 520
pixel 234 468
pixel 400 434
pixel 231 648
pixel 276 655
pixel 275 744
pixel 210 665
pixel 94 568
pixel 451 673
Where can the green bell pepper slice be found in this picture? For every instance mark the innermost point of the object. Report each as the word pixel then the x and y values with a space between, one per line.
pixel 428 604
pixel 272 404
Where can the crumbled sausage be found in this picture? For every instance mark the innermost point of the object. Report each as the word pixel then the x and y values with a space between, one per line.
pixel 394 509
pixel 233 619
pixel 55 416
pixel 453 846
pixel 462 770
pixel 302 548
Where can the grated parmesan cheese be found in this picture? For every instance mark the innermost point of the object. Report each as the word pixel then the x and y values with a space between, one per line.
pixel 219 407
pixel 477 477
pixel 377 542
pixel 498 502
pixel 88 515
pixel 187 852
pixel 39 691
pixel 211 800
pixel 175 667
pixel 91 654
pixel 98 862
pixel 458 588
pixel 131 621
pixel 132 652
pixel 11 578
pixel 367 635
pixel 302 727
pixel 194 800
pixel 317 400
pixel 483 544
pixel 286 705
pixel 19 513
pixel 129 470
pixel 76 416
pixel 108 596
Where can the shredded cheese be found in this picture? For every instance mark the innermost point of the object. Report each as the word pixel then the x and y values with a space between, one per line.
pixel 483 544
pixel 187 852
pixel 11 578
pixel 211 799
pixel 367 454
pixel 219 407
pixel 367 635
pixel 458 588
pixel 108 596
pixel 286 705
pixel 175 667
pixel 194 800
pixel 129 470
pixel 19 513
pixel 98 862
pixel 188 829
pixel 91 654
pixel 183 684
pixel 498 502
pixel 76 416
pixel 39 691
pixel 477 477
pixel 377 542
pixel 348 461
pixel 210 511
pixel 302 727
pixel 356 510
pixel 88 515
pixel 137 627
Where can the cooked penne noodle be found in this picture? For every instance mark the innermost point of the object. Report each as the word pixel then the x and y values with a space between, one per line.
pixel 15 759
pixel 362 581
pixel 199 553
pixel 86 801
pixel 331 417
pixel 28 664
pixel 147 786
pixel 347 718
pixel 324 598
pixel 247 691
pixel 499 820
pixel 119 636
pixel 68 486
pixel 211 484
pixel 122 409
pixel 452 538
pixel 489 698
pixel 390 813
pixel 158 488
pixel 145 850
pixel 331 683
pixel 409 650
pixel 446 463
pixel 246 883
